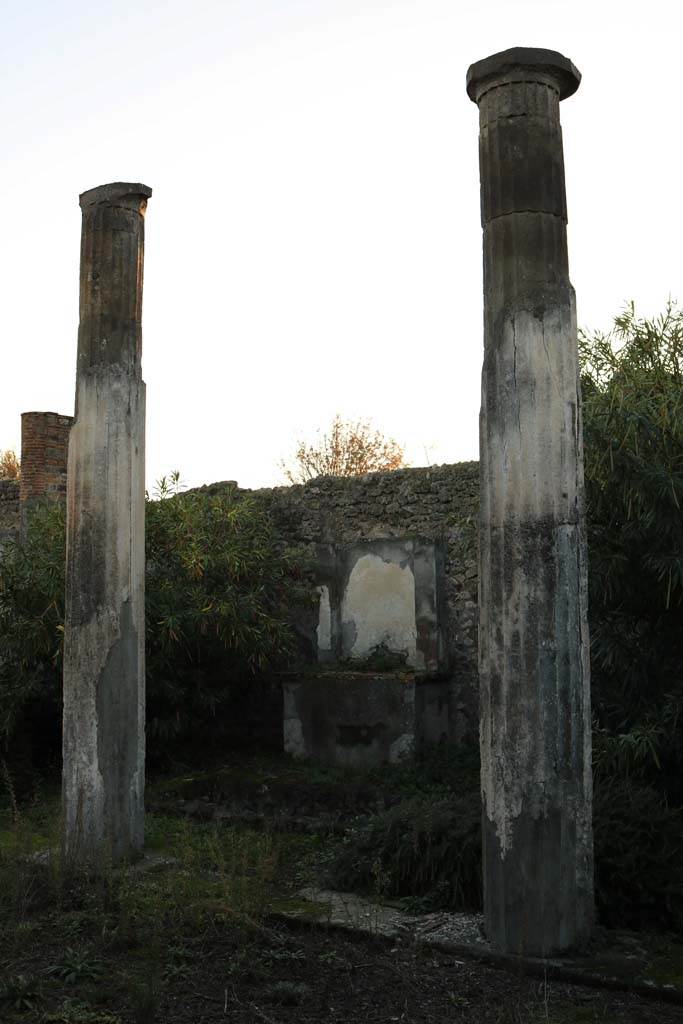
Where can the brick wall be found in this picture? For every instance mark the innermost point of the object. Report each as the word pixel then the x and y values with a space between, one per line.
pixel 44 450
pixel 435 502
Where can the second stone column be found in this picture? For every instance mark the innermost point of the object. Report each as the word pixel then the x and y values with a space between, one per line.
pixel 533 634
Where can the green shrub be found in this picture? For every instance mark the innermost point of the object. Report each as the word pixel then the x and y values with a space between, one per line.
pixel 638 856
pixel 438 771
pixel 217 595
pixel 20 992
pixel 75 966
pixel 632 384
pixel 218 588
pixel 31 635
pixel 428 848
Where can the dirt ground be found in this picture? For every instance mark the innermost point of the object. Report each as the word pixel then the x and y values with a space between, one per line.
pixel 195 939
pixel 278 973
pixel 315 977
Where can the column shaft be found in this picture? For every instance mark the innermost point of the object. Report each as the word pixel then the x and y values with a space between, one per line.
pixel 533 636
pixel 104 665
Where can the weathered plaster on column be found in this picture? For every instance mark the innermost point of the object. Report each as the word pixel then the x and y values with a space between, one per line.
pixel 533 638
pixel 104 670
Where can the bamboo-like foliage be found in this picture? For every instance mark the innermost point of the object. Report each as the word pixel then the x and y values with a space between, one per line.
pixel 632 384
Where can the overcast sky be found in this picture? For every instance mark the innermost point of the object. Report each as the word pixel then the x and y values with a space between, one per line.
pixel 313 241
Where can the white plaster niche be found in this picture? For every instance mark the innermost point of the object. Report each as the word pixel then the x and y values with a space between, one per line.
pixel 378 610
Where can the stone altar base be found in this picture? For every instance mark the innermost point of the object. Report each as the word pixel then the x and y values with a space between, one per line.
pixel 363 719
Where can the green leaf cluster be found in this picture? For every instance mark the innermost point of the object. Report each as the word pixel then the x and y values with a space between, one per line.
pixel 427 847
pixel 632 385
pixel 218 587
pixel 31 645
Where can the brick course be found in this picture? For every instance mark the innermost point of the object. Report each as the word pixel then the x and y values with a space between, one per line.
pixel 44 450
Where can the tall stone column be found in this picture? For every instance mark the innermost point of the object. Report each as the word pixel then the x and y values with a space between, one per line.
pixel 533 636
pixel 104 642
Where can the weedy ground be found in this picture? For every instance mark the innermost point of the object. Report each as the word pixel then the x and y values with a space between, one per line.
pixel 193 939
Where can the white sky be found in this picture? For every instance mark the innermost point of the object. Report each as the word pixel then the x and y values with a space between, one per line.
pixel 313 241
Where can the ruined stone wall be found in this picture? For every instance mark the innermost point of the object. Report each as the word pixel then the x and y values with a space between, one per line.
pixel 438 503
pixel 10 515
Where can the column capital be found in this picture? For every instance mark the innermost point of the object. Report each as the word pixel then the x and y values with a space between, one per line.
pixel 112 249
pixel 522 63
pixel 120 193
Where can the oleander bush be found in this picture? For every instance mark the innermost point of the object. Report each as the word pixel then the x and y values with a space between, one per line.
pixel 218 592
pixel 218 587
pixel 427 848
pixel 632 383
pixel 31 637
pixel 638 841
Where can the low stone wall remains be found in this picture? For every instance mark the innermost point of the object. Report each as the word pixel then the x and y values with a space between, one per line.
pixel 439 503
